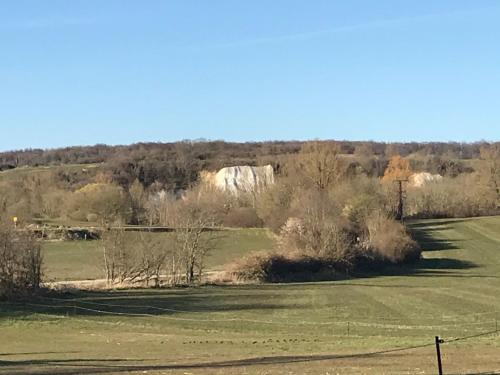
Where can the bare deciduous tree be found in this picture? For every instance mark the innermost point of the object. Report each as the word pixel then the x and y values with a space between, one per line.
pixel 152 257
pixel 138 200
pixel 20 261
pixel 120 263
pixel 177 258
pixel 158 206
pixel 193 218
pixel 192 241
pixel 319 162
pixel 491 157
pixel 321 230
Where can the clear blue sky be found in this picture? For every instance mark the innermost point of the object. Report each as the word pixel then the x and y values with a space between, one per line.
pixel 116 71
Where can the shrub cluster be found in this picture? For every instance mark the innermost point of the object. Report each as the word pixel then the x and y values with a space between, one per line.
pixel 463 196
pixel 242 217
pixel 324 243
pixel 20 262
pixel 279 267
pixel 388 241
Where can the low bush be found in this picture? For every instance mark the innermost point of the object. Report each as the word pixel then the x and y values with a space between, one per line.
pixel 389 241
pixel 276 268
pixel 273 204
pixel 319 229
pixel 463 196
pixel 20 262
pixel 105 201
pixel 242 217
pixel 309 250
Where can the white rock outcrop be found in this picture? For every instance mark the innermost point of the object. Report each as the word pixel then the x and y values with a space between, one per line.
pixel 241 178
pixel 424 178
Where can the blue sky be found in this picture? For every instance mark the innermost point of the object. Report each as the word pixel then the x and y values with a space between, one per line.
pixel 117 71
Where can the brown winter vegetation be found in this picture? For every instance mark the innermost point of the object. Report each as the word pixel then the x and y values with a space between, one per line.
pixel 332 207
pixel 20 262
pixel 329 226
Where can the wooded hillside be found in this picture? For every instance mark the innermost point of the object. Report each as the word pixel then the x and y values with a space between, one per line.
pixel 177 165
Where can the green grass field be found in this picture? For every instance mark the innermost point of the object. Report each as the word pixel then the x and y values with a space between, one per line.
pixel 359 326
pixel 17 173
pixel 79 260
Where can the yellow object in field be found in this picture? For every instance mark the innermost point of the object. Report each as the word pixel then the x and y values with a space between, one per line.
pixel 14 219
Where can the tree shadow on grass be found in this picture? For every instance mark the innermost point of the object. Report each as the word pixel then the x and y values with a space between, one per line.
pixel 438 267
pixel 428 242
pixel 367 267
pixel 82 366
pixel 33 353
pixel 423 233
pixel 195 305
pixel 65 366
pixel 438 224
pixel 198 303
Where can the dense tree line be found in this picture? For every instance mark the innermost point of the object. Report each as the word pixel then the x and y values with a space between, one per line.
pixel 177 165
pixel 216 152
pixel 132 181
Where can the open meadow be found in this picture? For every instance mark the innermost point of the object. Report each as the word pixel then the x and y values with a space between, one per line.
pixel 376 324
pixel 83 260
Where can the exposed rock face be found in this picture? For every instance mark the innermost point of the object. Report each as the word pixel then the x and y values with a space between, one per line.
pixel 240 178
pixel 423 178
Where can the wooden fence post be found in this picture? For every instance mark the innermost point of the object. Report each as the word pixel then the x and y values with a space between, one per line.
pixel 438 352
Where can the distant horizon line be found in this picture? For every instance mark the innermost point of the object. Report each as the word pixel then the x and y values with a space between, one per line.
pixel 205 140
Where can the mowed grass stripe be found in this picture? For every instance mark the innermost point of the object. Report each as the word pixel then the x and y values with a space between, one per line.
pixel 441 295
pixel 479 248
pixel 486 228
pixel 469 244
pixel 449 303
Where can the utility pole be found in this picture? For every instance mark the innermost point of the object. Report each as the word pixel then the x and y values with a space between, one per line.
pixel 438 352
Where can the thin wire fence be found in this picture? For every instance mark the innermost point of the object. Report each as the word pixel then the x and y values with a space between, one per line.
pixel 74 305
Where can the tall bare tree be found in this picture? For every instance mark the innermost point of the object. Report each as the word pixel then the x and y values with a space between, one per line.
pixel 153 253
pixel 193 218
pixel 491 156
pixel 138 200
pixel 20 261
pixel 320 163
pixel 123 257
pixel 320 229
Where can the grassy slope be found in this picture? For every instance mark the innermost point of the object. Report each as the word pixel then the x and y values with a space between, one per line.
pixel 454 291
pixel 33 171
pixel 79 260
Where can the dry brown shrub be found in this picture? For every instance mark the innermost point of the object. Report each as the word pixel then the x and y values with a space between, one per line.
pixel 389 240
pixel 273 204
pixel 242 217
pixel 463 196
pixel 278 267
pixel 20 262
